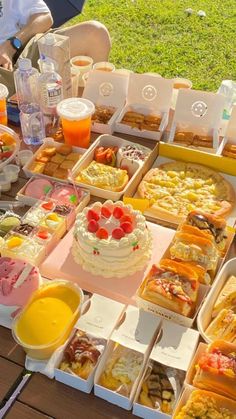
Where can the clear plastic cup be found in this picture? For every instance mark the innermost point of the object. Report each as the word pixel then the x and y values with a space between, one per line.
pixel 5 184
pixel 75 114
pixel 24 156
pixel 3 104
pixel 11 171
pixel 104 66
pixel 81 64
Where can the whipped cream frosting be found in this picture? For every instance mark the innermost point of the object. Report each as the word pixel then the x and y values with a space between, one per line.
pixel 111 257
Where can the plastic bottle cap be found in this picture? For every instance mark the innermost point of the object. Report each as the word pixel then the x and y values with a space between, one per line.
pixel 75 109
pixel 49 39
pixel 24 64
pixel 3 91
pixel 47 65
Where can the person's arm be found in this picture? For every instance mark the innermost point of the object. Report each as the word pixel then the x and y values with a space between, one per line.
pixel 37 23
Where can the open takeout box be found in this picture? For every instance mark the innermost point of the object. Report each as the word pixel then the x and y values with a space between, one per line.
pixel 200 113
pixel 168 152
pixel 205 314
pixel 10 132
pixel 138 170
pixel 149 95
pixel 48 142
pixel 230 136
pixel 98 320
pixel 222 402
pixel 107 89
pixel 136 331
pixel 82 195
pixel 174 348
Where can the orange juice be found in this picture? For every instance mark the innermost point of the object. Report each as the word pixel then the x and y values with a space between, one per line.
pixel 3 104
pixel 75 116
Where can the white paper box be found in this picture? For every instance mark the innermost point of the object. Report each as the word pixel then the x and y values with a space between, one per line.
pixel 110 140
pixel 149 95
pixel 174 348
pixel 171 315
pixel 49 143
pixel 137 331
pixel 205 314
pixel 99 320
pixel 106 89
pixel 198 112
pixel 230 134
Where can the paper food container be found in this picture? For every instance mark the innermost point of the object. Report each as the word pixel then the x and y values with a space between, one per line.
pixel 107 89
pixel 48 142
pixel 202 347
pixel 168 314
pixel 174 348
pixel 222 402
pixel 205 314
pixel 138 169
pixel 198 112
pixel 167 153
pixel 149 95
pixel 99 320
pixel 137 331
pixel 230 134
pixel 84 197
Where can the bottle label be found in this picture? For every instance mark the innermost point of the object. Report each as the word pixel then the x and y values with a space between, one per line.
pixel 54 95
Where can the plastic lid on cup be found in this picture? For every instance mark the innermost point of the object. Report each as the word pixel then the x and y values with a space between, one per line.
pixel 75 109
pixel 3 91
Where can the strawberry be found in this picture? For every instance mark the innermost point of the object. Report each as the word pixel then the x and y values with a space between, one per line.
pixel 127 227
pixel 118 212
pixel 92 215
pixel 102 233
pixel 106 212
pixel 93 226
pixel 118 233
pixel 47 206
pixel 43 234
pixel 125 218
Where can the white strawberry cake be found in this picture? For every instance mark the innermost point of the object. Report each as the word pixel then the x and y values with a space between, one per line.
pixel 18 280
pixel 111 240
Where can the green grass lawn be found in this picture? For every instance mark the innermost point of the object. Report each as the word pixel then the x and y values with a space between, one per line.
pixel 157 35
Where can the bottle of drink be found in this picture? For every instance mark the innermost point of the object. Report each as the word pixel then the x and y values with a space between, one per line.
pixel 31 118
pixel 56 48
pixel 51 93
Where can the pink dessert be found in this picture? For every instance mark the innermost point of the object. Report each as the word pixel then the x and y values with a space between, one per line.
pixel 67 195
pixel 38 188
pixel 16 291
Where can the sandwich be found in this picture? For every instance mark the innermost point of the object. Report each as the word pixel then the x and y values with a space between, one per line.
pixel 206 405
pixel 216 369
pixel 226 298
pixel 211 225
pixel 223 326
pixel 172 285
pixel 203 275
pixel 194 248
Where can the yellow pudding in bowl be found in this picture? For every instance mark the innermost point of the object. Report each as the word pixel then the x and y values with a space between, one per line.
pixel 48 318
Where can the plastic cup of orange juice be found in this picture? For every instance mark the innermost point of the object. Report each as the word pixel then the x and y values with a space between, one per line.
pixel 75 114
pixel 3 104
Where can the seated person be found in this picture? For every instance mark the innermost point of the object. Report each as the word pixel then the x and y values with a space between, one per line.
pixel 20 20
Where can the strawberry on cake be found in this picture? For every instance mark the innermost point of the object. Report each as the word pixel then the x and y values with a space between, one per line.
pixel 18 280
pixel 111 240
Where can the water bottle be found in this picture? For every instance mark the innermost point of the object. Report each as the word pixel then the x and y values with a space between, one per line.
pixel 51 93
pixel 31 118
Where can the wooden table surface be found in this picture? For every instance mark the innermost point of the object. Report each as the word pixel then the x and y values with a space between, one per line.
pixel 42 398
